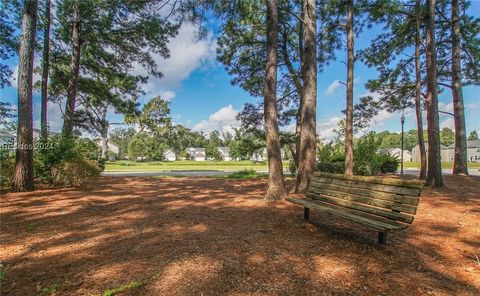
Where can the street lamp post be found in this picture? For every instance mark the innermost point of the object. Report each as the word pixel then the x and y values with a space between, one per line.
pixel 402 120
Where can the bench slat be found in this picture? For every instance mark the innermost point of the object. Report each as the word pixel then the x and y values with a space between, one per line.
pixel 363 208
pixel 382 203
pixel 346 214
pixel 375 180
pixel 411 200
pixel 369 186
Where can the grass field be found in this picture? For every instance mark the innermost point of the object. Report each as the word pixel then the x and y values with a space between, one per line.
pixel 190 165
pixel 185 165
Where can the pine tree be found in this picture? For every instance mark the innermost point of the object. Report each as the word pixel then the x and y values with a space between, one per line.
pixel 23 174
pixel 308 114
pixel 434 172
pixel 276 187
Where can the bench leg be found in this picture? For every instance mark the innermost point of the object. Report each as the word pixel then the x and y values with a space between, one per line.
pixel 382 238
pixel 306 213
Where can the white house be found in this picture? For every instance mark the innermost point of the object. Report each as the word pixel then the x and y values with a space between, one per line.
pixel 444 152
pixel 7 139
pixel 224 153
pixel 197 154
pixel 260 154
pixel 397 153
pixel 473 151
pixel 169 155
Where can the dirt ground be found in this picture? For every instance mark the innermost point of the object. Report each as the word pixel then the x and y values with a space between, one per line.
pixel 204 236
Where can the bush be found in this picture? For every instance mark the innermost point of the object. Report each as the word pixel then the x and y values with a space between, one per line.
pixel 245 174
pixel 67 160
pixel 387 163
pixel 362 168
pixel 7 165
pixel 75 172
pixel 331 167
pixel 292 167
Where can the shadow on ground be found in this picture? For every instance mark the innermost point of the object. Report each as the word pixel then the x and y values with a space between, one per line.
pixel 204 236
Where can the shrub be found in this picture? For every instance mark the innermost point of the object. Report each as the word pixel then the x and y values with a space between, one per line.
pixel 54 163
pixel 7 165
pixel 387 163
pixel 331 167
pixel 75 172
pixel 245 174
pixel 362 168
pixel 292 167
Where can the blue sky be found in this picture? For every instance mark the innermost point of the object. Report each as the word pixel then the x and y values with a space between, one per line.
pixel 203 98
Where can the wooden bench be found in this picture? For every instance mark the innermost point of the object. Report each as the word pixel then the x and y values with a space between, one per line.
pixel 382 204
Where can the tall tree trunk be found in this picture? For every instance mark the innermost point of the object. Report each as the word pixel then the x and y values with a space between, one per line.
pixel 298 83
pixel 45 71
pixel 308 135
pixel 434 173
pixel 104 141
pixel 276 187
pixel 74 70
pixel 460 162
pixel 418 91
pixel 349 109
pixel 23 173
pixel 298 126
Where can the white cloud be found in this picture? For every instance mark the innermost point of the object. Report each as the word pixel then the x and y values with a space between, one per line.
pixel 222 120
pixel 37 77
pixel 332 88
pixel 54 116
pixel 325 128
pixel 187 53
pixel 167 95
pixel 447 123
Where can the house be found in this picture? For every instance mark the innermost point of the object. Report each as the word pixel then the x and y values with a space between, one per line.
pixel 444 152
pixel 397 153
pixel 224 153
pixel 169 155
pixel 473 151
pixel 7 139
pixel 197 154
pixel 260 154
pixel 113 150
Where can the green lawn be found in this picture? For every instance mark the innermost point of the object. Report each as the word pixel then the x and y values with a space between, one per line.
pixel 185 165
pixel 445 165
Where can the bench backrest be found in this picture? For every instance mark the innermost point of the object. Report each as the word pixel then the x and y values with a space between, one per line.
pixel 389 198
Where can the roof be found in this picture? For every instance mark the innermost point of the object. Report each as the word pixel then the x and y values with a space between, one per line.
pixel 473 143
pixel 470 144
pixel 224 151
pixel 6 134
pixel 195 152
pixel 168 151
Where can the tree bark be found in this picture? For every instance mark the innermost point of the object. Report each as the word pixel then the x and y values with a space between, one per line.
pixel 298 82
pixel 298 126
pixel 23 174
pixel 434 173
pixel 104 141
pixel 418 92
pixel 308 135
pixel 349 109
pixel 460 161
pixel 276 187
pixel 45 71
pixel 74 71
